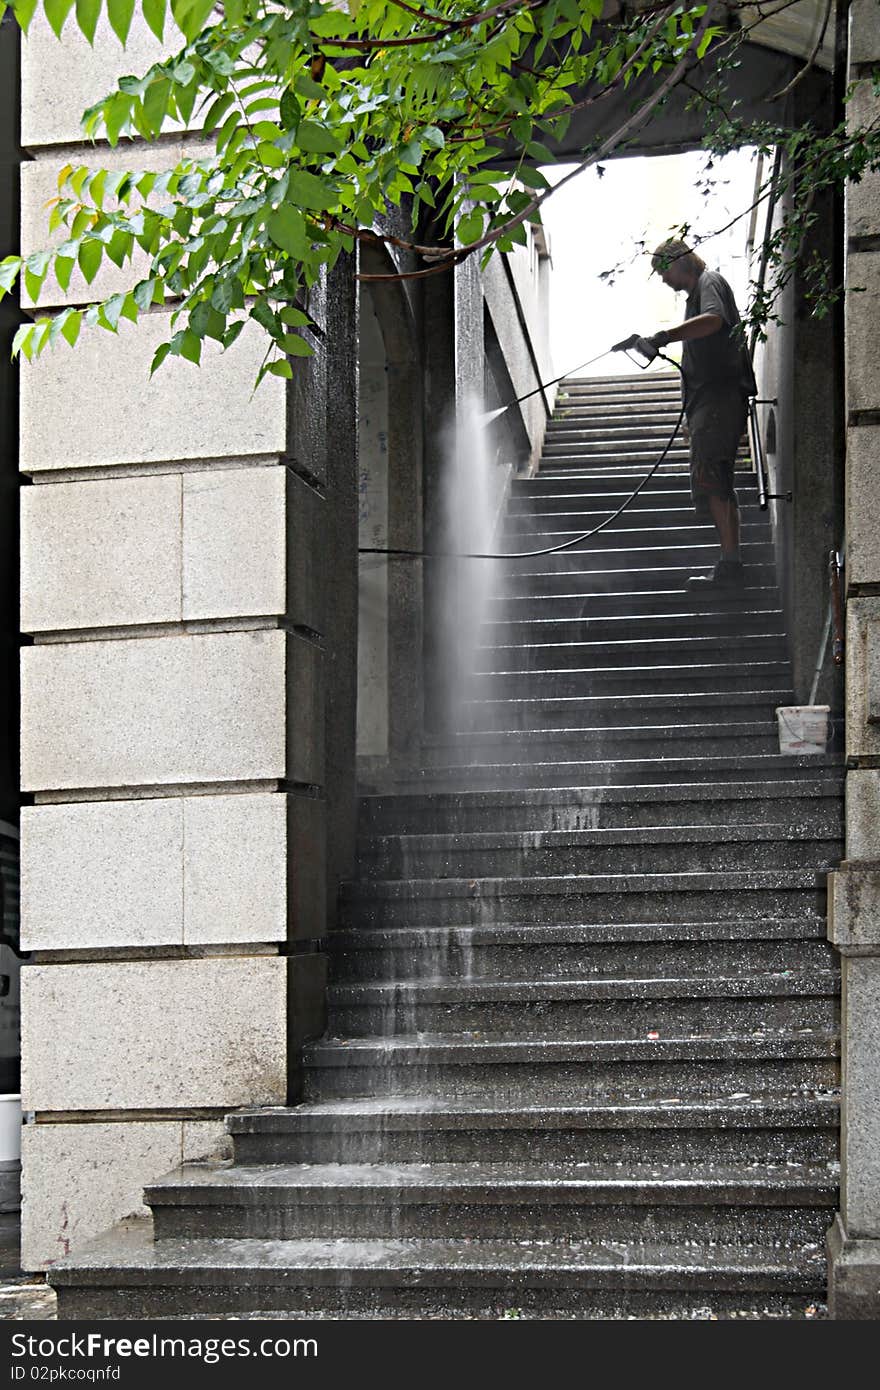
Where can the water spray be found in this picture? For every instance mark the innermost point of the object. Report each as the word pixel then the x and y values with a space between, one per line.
pixel 633 344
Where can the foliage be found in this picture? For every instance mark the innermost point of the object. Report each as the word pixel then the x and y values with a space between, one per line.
pixel 320 118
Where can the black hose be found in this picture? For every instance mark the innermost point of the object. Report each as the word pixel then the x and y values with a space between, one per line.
pixel 550 549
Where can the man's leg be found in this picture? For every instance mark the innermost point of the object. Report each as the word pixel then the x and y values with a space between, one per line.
pixel 716 427
pixel 725 514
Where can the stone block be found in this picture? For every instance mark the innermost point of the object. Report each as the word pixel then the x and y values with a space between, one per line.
pixel 853 1276
pixel 862 313
pixel 863 814
pixel 39 185
pixel 862 736
pixel 181 709
pixel 863 198
pixel 234 868
pixel 254 868
pixel 97 407
pixel 154 1034
pixel 234 543
pixel 79 1179
pixel 860 1118
pixel 101 553
pixel 862 535
pixel 205 1139
pixel 60 79
pixel 175 871
pixel 864 31
pixel 854 908
pixel 98 874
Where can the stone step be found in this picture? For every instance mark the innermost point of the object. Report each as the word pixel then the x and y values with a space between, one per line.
pixel 522 1201
pixel 551 745
pixel 634 626
pixel 655 507
pixel 745 1129
pixel 522 853
pixel 125 1274
pixel 582 651
pixel 574 573
pixel 571 1069
pixel 525 776
pixel 539 718
pixel 672 605
pixel 670 488
pixel 598 951
pixel 680 678
pixel 556 457
pixel 650 1006
pixel 655 521
pixel 620 550
pixel 812 798
pixel 583 898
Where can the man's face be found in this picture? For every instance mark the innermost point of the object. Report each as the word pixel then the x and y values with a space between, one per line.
pixel 675 276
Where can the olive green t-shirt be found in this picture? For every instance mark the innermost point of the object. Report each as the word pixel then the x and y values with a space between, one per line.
pixel 722 358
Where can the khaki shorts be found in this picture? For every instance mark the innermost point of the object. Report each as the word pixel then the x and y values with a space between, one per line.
pixel 716 422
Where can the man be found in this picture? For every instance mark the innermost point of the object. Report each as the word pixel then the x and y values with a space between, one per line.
pixel 717 382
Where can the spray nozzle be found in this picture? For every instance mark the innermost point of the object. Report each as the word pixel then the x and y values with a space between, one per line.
pixel 643 347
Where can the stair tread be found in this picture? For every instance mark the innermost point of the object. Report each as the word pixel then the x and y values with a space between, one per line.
pixel 130 1249
pixel 437 1108
pixel 498 1181
pixel 746 984
pixel 482 1047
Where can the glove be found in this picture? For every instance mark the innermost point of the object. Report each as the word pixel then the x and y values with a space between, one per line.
pixel 658 340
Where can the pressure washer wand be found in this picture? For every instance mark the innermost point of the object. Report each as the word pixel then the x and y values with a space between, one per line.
pixel 640 345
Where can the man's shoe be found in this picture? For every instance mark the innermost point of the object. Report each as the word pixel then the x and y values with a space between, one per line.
pixel 727 574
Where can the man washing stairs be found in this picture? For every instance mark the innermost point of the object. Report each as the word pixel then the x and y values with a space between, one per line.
pixel 582 1053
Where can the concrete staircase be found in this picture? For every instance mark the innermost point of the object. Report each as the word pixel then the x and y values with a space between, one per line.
pixel 582 1056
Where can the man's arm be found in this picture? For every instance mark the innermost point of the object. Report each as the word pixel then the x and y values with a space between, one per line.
pixel 702 326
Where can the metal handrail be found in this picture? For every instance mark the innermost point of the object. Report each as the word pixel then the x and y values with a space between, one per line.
pixel 835 569
pixel 757 447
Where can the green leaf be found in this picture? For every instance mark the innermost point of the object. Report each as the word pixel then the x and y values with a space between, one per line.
pixel 294 318
pixel 56 13
pixel 190 16
pixel 290 109
pixel 111 310
pixel 280 368
pixel 90 256
pixel 270 155
pixel 264 315
pixel 87 12
pixel 130 308
pixel 317 139
pixel 9 270
pixel 296 346
pixel 143 293
pixel 433 137
pixel 206 322
pixel 156 103
pixel 159 356
pixel 232 333
pixel 191 347
pixel 63 271
pixel 287 228
pixel 308 191
pixel 24 12
pixel 120 12
pixel 22 340
pixel 154 14
pixel 72 325
pixel 216 111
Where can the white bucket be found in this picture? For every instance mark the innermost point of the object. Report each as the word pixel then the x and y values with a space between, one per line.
pixel 803 728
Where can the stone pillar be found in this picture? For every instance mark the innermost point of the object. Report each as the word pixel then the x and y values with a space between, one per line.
pixel 854 908
pixel 174 847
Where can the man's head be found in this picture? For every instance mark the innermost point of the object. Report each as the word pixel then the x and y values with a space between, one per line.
pixel 677 265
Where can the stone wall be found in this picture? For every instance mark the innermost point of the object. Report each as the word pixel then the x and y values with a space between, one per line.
pixel 174 861
pixel 854 892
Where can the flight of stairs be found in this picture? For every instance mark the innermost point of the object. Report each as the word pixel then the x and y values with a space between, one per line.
pixel 582 1055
